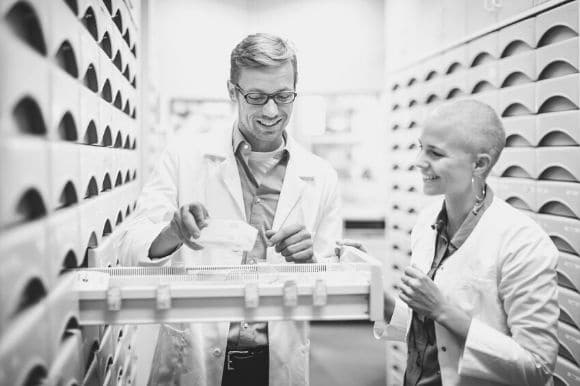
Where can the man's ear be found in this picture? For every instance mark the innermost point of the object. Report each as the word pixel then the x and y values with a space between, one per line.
pixel 482 164
pixel 232 91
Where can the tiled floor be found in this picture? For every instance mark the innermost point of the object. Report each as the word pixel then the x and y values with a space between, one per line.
pixel 346 354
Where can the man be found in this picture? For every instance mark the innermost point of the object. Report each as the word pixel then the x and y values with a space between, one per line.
pixel 253 172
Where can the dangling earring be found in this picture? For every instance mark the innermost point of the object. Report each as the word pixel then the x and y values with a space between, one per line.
pixel 479 195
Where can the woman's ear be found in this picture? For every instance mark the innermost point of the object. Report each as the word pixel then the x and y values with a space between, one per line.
pixel 232 91
pixel 482 164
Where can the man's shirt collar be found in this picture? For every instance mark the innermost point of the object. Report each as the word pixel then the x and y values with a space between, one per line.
pixel 241 144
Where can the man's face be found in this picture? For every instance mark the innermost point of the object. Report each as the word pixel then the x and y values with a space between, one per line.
pixel 263 125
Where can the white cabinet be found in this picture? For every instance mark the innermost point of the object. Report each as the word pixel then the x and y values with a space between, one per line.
pixel 416 28
pixel 482 14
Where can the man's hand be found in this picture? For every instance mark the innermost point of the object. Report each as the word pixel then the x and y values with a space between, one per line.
pixel 421 293
pixel 186 223
pixel 294 242
pixel 340 244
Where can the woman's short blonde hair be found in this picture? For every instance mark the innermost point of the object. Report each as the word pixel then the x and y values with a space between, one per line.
pixel 480 127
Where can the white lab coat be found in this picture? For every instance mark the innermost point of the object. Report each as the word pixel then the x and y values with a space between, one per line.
pixel 504 277
pixel 202 168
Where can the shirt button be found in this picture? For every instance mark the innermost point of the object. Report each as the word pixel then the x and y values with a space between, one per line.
pixel 216 352
pixel 443 348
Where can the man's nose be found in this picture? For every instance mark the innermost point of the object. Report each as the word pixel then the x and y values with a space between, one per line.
pixel 270 108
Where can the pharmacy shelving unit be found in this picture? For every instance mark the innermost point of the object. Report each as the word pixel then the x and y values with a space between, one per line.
pixel 527 69
pixel 69 177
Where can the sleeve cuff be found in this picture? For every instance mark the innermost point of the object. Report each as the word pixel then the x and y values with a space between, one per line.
pixel 140 243
pixel 396 329
pixel 481 342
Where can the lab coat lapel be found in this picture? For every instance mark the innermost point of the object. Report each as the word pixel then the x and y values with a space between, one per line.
pixel 222 151
pixel 231 178
pixel 425 264
pixel 293 187
pixel 426 245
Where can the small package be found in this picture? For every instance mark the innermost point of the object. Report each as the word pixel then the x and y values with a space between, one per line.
pixel 235 235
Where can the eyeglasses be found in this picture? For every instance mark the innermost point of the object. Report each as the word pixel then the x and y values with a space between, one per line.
pixel 260 99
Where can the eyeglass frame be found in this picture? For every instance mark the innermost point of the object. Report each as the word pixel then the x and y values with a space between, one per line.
pixel 268 96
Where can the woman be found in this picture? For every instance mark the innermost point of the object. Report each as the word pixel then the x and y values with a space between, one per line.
pixel 478 305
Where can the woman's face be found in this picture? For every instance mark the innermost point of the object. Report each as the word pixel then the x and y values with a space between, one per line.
pixel 444 160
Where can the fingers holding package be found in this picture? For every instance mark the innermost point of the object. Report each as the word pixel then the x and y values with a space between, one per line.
pixel 187 223
pixel 420 292
pixel 340 244
pixel 294 242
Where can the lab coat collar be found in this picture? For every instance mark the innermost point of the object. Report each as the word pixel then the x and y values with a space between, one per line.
pixel 298 173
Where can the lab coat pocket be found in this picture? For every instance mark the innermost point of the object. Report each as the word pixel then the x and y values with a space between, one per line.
pixel 289 353
pixel 172 358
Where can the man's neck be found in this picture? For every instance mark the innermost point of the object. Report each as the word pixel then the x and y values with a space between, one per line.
pixel 262 146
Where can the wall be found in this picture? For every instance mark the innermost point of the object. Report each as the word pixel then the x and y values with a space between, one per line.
pixel 69 177
pixel 340 42
pixel 192 41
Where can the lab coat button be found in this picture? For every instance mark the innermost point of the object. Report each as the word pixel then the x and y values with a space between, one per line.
pixel 258 200
pixel 216 352
pixel 443 348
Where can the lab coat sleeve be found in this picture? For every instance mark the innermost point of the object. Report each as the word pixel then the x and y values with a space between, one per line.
pixel 396 329
pixel 329 228
pixel 155 207
pixel 527 286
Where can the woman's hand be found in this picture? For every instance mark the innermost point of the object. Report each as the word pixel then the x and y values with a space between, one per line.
pixel 421 293
pixel 424 297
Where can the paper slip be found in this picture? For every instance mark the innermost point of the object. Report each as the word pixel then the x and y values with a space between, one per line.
pixel 230 234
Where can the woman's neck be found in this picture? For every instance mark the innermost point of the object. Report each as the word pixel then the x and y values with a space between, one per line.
pixel 458 207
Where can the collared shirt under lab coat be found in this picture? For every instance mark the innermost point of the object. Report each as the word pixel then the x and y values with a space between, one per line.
pixel 202 168
pixel 504 277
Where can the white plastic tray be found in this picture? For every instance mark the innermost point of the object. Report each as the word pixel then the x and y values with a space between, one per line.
pixel 349 290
